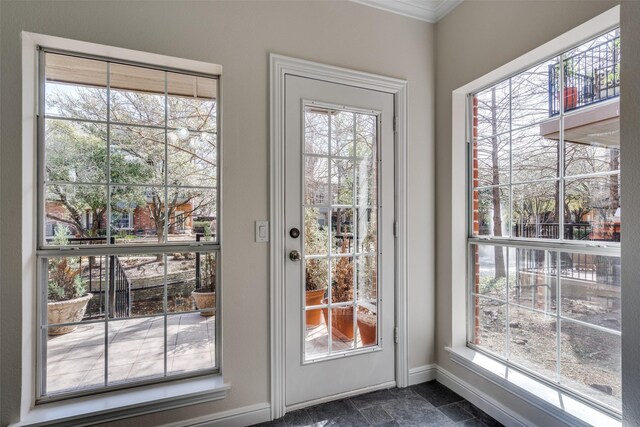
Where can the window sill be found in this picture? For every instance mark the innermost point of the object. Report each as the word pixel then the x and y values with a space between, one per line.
pixel 548 399
pixel 120 404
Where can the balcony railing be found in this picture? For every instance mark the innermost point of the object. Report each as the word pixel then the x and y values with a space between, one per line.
pixel 596 231
pixel 590 76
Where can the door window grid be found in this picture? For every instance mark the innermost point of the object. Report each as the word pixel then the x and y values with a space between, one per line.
pixel 338 217
pixel 570 257
pixel 112 285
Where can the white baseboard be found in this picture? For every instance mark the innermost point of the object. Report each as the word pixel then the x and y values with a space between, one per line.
pixel 259 413
pixel 486 403
pixel 422 374
pixel 241 417
pixel 340 396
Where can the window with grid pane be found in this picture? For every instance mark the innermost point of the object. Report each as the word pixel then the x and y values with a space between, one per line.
pixel 544 221
pixel 128 224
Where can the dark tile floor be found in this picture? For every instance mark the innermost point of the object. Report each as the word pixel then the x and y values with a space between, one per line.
pixel 426 404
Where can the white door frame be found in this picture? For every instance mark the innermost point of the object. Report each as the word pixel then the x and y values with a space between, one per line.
pixel 280 66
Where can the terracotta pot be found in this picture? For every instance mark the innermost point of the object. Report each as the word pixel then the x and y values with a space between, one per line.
pixel 341 322
pixel 314 297
pixel 205 301
pixel 68 311
pixel 367 323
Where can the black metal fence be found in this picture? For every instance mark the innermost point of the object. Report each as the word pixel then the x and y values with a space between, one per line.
pixel 580 266
pixel 605 232
pixel 117 283
pixel 590 76
pixel 118 286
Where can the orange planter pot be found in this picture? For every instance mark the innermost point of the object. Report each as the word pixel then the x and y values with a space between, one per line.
pixel 367 327
pixel 570 97
pixel 341 322
pixel 314 318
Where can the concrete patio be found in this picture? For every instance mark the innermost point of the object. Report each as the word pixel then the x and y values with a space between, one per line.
pixel 136 351
pixel 317 342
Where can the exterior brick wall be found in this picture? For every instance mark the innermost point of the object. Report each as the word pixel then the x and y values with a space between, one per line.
pixel 476 224
pixel 141 219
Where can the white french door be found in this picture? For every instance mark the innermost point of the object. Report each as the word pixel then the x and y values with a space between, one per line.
pixel 339 216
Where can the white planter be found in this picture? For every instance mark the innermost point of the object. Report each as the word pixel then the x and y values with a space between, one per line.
pixel 66 312
pixel 203 301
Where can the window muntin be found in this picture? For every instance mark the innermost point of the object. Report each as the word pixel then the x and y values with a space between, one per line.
pixel 136 145
pixel 340 237
pixel 545 192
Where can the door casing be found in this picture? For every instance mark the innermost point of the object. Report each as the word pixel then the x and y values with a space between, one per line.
pixel 280 66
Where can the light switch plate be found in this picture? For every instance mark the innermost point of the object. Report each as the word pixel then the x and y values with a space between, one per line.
pixel 262 231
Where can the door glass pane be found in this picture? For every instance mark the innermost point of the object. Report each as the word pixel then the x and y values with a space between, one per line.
pixel 316 231
pixel 367 289
pixel 342 182
pixel 340 236
pixel 342 133
pixel 341 231
pixel 316 131
pixel 367 230
pixel 316 177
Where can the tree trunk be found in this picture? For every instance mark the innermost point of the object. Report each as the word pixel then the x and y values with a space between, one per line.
pixel 160 234
pixel 495 178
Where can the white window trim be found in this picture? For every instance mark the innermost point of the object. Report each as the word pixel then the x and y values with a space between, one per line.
pixel 114 404
pixel 458 349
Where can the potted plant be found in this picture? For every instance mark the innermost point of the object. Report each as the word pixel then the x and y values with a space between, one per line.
pixel 204 296
pixel 316 241
pixel 342 291
pixel 67 294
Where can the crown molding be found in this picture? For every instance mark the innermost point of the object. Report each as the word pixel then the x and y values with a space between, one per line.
pixel 424 10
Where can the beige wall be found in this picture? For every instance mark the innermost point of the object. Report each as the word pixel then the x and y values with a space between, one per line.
pixel 474 39
pixel 238 35
pixel 630 147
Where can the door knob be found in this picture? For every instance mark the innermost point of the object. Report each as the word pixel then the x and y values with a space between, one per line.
pixel 294 256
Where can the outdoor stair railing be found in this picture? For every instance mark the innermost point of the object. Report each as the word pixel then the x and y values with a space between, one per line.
pixel 119 289
pixel 119 285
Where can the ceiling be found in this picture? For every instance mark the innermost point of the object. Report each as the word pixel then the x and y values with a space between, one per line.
pixel 425 10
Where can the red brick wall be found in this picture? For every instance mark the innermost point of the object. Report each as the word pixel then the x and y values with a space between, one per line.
pixel 476 225
pixel 142 217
